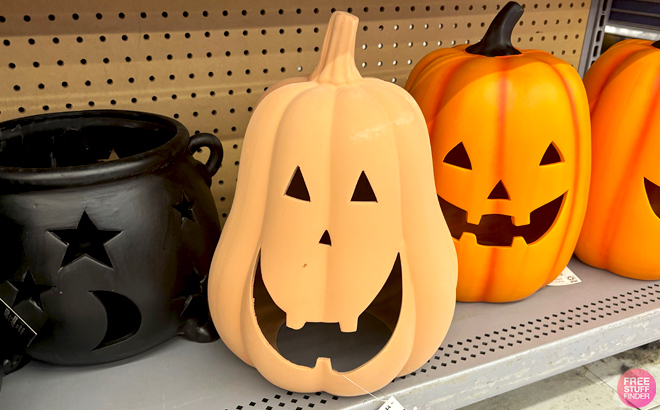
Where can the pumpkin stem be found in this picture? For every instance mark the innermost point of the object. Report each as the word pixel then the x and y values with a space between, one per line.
pixel 656 44
pixel 337 62
pixel 497 40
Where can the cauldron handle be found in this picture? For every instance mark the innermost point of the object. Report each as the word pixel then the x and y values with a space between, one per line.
pixel 212 142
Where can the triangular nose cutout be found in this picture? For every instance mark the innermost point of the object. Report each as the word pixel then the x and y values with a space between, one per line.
pixel 499 192
pixel 325 239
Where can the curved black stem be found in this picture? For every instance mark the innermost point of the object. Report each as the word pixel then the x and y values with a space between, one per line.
pixel 656 44
pixel 497 40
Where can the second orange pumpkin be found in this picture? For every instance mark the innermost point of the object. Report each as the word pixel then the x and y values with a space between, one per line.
pixel 510 140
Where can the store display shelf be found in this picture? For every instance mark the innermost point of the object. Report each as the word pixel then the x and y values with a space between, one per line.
pixel 632 31
pixel 490 349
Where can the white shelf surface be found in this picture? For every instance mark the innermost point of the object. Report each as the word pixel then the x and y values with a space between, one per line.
pixel 490 349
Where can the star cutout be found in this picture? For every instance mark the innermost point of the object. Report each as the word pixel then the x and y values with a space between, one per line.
pixel 192 287
pixel 185 209
pixel 85 240
pixel 28 289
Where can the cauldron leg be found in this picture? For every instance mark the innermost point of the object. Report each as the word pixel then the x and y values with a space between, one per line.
pixel 198 326
pixel 200 331
pixel 14 362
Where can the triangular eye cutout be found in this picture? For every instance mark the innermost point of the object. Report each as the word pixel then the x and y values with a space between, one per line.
pixel 458 156
pixel 297 187
pixel 551 155
pixel 363 190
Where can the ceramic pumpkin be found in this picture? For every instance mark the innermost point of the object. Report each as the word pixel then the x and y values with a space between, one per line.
pixel 509 133
pixel 621 229
pixel 334 218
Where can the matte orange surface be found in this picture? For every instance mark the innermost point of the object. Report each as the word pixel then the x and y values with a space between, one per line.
pixel 335 125
pixel 507 111
pixel 621 231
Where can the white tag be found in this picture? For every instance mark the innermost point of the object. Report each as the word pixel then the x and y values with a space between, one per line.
pixel 566 277
pixel 391 404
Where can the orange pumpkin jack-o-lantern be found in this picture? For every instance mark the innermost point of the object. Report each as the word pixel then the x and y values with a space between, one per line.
pixel 509 133
pixel 335 217
pixel 621 230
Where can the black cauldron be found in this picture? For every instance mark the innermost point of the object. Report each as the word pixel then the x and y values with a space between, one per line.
pixel 108 228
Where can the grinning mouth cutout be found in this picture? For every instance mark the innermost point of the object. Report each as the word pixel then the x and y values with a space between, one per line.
pixel 346 351
pixel 499 230
pixel 653 195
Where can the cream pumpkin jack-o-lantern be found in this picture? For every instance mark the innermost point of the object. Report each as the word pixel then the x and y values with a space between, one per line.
pixel 335 217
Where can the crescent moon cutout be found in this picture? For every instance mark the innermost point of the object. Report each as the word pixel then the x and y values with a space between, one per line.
pixel 124 317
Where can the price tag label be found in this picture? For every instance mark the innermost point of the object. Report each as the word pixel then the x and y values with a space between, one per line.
pixel 566 277
pixel 391 404
pixel 17 329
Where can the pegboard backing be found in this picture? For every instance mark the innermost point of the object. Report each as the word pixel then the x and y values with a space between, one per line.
pixel 206 62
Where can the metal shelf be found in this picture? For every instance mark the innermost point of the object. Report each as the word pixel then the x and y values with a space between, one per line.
pixel 490 349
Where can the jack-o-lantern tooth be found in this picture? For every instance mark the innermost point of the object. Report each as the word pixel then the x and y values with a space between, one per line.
pixel 518 242
pixel 520 220
pixel 474 217
pixel 468 238
pixel 324 365
pixel 294 322
pixel 348 326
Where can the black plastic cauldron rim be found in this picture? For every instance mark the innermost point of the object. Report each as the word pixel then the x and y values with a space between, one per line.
pixel 150 160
